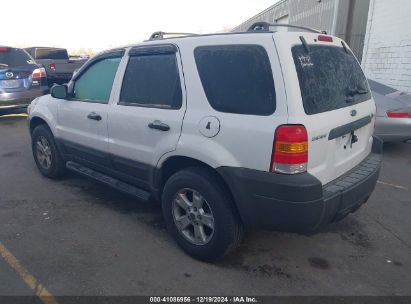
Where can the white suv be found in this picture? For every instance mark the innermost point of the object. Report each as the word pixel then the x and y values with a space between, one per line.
pixel 266 129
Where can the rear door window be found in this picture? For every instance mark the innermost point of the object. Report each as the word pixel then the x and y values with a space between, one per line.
pixel 330 78
pixel 152 80
pixel 237 78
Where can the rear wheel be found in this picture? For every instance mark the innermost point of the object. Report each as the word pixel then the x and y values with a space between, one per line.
pixel 200 214
pixel 46 154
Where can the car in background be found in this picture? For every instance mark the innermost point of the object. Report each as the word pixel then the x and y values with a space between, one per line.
pixel 57 62
pixel 21 79
pixel 393 121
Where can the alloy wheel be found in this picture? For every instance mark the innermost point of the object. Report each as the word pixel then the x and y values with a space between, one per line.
pixel 193 216
pixel 43 152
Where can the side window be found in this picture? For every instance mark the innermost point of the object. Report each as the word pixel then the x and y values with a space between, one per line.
pixel 152 80
pixel 237 78
pixel 96 82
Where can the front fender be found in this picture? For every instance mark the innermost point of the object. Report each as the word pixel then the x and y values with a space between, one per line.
pixel 45 108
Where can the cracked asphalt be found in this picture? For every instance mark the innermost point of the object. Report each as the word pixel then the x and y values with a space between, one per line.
pixel 78 237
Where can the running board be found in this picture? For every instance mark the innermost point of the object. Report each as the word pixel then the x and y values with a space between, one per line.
pixel 109 181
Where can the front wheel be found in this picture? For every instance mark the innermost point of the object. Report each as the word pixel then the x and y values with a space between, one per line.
pixel 200 214
pixel 46 154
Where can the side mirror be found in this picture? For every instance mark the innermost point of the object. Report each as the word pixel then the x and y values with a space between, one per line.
pixel 59 91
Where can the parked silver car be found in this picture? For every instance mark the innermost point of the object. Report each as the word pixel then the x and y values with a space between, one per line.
pixel 393 113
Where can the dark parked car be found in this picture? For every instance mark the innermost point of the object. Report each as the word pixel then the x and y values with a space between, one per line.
pixel 59 67
pixel 21 79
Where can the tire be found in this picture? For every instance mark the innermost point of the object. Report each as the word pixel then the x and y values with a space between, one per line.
pixel 206 190
pixel 55 167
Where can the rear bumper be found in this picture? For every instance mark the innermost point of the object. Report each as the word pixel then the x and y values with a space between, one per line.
pixel 14 100
pixel 300 202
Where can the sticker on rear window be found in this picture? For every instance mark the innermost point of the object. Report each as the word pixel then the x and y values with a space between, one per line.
pixel 305 61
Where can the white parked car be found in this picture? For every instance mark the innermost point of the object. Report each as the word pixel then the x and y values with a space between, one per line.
pixel 266 129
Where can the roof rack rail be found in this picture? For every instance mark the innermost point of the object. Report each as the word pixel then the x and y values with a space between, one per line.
pixel 160 35
pixel 265 27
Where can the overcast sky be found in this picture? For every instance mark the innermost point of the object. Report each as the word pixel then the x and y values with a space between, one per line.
pixel 103 24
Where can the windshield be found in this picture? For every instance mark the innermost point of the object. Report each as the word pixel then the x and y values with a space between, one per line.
pixel 14 57
pixel 330 78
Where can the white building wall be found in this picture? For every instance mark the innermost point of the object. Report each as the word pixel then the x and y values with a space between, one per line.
pixel 387 47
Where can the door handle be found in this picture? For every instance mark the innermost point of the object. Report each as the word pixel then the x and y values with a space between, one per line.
pixel 94 116
pixel 158 125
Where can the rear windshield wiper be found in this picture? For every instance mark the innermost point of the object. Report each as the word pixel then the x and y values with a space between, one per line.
pixel 360 92
pixel 352 93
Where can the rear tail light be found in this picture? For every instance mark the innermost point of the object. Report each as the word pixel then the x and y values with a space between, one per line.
pixel 290 150
pixel 4 49
pixel 52 66
pixel 399 114
pixel 325 38
pixel 39 73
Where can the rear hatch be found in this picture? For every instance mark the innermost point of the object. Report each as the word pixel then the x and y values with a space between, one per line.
pixel 16 68
pixel 328 93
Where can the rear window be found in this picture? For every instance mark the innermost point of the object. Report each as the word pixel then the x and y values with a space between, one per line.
pixel 14 57
pixel 330 78
pixel 237 78
pixel 47 53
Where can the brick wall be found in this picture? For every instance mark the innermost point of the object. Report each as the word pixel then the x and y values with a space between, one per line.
pixel 387 47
